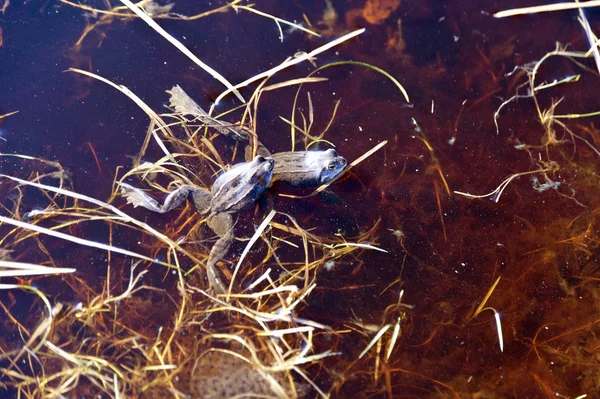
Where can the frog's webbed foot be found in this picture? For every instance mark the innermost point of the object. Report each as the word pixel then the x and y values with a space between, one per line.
pixel 137 197
pixel 330 197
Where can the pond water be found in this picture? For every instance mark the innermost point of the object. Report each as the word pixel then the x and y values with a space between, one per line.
pixel 535 248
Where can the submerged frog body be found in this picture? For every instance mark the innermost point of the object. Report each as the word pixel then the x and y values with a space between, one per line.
pixel 296 168
pixel 307 168
pixel 234 191
pixel 218 375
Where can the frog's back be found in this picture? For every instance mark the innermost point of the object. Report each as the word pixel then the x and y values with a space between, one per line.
pixel 219 375
pixel 307 168
pixel 294 168
pixel 238 189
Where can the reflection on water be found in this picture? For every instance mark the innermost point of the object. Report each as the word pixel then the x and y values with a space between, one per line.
pixel 427 296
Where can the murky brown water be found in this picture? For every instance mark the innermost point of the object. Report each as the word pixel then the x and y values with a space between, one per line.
pixel 444 251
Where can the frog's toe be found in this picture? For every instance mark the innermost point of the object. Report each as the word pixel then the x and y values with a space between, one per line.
pixel 131 194
pixel 137 197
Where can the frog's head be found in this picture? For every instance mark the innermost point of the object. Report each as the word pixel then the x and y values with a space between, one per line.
pixel 331 165
pixel 262 170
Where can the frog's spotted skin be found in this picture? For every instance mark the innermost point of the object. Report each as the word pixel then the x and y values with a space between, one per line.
pixel 219 375
pixel 234 191
pixel 307 168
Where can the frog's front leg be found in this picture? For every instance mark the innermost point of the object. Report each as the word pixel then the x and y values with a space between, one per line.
pixel 137 197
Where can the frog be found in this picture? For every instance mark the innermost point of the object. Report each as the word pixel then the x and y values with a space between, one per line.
pixel 234 191
pixel 227 374
pixel 295 168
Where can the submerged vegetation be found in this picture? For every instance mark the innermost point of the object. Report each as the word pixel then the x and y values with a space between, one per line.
pixel 115 342
pixel 417 288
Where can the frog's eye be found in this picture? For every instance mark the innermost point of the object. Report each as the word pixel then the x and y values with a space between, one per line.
pixel 331 166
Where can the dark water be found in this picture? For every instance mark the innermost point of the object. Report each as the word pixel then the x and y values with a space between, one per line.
pixel 543 245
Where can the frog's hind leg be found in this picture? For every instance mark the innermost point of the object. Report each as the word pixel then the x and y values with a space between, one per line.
pixel 329 197
pixel 222 225
pixel 219 249
pixel 137 197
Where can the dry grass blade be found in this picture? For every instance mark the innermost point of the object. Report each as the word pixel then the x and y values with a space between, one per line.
pixel 7 115
pixel 281 333
pixel 340 63
pixel 499 329
pixel 30 158
pixel 94 201
pixel 365 156
pixel 19 269
pixel 312 383
pixel 84 361
pixel 126 218
pixel 487 296
pixel 153 115
pixel 223 8
pixel 43 329
pixel 546 8
pixel 276 19
pixel 291 307
pixel 255 237
pixel 393 340
pixel 77 240
pixel 293 82
pixel 140 13
pixel 373 67
pixel 335 108
pixel 495 195
pixel 256 295
pixel 115 12
pixel 375 340
pixel 498 324
pixel 29 288
pixel 358 245
pixel 131 285
pixel 288 63
pixel 111 12
pixel 592 39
